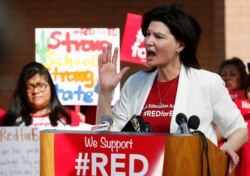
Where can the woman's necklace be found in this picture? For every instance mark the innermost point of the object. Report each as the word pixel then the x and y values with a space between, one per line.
pixel 168 91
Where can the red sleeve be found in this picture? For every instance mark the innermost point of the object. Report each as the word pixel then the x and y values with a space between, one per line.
pixel 2 112
pixel 90 113
pixel 75 119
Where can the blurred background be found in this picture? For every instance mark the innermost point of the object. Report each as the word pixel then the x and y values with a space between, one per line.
pixel 225 24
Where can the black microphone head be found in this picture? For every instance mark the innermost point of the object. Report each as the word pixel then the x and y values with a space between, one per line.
pixel 193 122
pixel 107 118
pixel 181 118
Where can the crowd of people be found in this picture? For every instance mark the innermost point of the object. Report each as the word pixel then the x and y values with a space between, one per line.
pixel 173 83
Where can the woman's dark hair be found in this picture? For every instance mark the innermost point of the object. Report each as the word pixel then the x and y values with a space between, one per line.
pixel 248 81
pixel 19 103
pixel 247 84
pixel 182 25
pixel 237 62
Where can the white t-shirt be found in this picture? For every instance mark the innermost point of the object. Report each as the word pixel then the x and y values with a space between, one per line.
pixel 43 123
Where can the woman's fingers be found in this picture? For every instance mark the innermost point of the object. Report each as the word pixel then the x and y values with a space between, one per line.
pixel 106 55
pixel 234 157
pixel 103 54
pixel 115 55
pixel 232 167
pixel 234 160
pixel 109 52
pixel 100 60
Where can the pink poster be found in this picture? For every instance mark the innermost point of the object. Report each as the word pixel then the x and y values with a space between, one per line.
pixel 132 49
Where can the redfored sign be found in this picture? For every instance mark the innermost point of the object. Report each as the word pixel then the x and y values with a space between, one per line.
pixel 113 154
pixel 132 43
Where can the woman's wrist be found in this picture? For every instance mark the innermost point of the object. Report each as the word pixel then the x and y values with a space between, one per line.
pixel 225 146
pixel 106 92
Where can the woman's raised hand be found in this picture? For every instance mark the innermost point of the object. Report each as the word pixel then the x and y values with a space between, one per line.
pixel 107 63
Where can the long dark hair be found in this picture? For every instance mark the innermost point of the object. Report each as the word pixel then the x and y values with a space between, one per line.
pixel 182 25
pixel 19 106
pixel 247 84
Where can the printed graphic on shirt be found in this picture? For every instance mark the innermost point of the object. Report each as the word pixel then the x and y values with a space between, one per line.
pixel 157 110
pixel 159 106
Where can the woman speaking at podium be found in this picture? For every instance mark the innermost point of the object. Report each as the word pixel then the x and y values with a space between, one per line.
pixel 174 83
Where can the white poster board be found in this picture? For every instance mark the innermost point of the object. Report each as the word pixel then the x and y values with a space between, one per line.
pixel 19 151
pixel 71 55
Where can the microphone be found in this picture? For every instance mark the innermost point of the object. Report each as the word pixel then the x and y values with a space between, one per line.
pixel 136 124
pixel 193 122
pixel 106 122
pixel 107 119
pixel 181 120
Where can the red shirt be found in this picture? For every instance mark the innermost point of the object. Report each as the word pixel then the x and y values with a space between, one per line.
pixel 237 94
pixel 156 114
pixel 244 107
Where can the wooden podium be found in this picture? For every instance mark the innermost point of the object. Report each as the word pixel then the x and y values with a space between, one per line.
pixel 183 154
pixel 184 157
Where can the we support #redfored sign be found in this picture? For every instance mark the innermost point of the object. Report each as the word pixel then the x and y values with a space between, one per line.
pixel 98 154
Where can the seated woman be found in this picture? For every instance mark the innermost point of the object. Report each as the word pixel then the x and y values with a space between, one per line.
pixel 35 102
